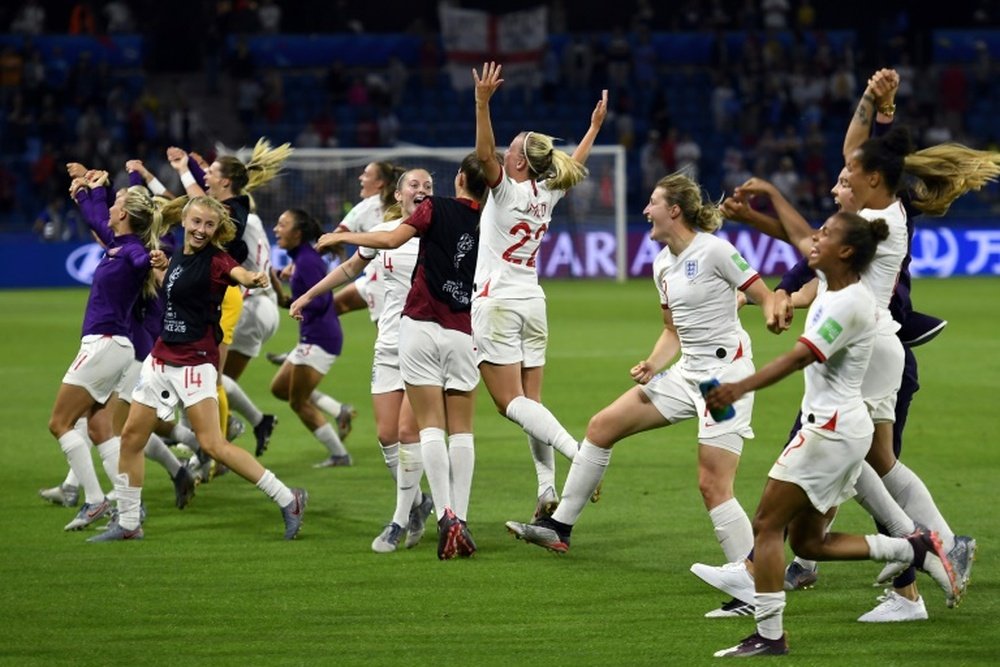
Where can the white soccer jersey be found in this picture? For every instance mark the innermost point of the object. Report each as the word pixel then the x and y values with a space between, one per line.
pixel 395 273
pixel 364 216
pixel 699 287
pixel 514 221
pixel 840 329
pixel 881 275
pixel 259 253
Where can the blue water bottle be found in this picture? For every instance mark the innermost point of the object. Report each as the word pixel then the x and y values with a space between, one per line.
pixel 725 413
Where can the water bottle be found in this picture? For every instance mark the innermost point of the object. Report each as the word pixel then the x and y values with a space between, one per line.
pixel 722 414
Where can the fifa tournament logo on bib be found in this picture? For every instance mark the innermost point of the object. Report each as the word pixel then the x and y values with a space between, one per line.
pixel 690 268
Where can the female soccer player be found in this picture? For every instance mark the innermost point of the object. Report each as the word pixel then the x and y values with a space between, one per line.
pixel 508 311
pixel 436 355
pixel 398 434
pixel 697 275
pixel 320 335
pixel 818 468
pixel 183 366
pixel 106 351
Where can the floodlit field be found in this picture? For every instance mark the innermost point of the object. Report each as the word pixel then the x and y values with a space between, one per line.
pixel 215 583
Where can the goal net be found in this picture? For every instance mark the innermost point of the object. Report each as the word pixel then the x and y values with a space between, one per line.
pixel 587 237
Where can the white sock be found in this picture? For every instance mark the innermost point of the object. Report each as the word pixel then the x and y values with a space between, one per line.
pixel 328 436
pixel 156 450
pixel 390 453
pixel 437 467
pixel 71 479
pixel 732 529
pixel 129 502
pixel 872 494
pixel 108 451
pixel 462 457
pixel 184 435
pixel 913 496
pixel 77 452
pixel 240 402
pixel 327 404
pixel 883 548
pixel 411 469
pixel 769 611
pixel 545 464
pixel 585 474
pixel 275 489
pixel 538 422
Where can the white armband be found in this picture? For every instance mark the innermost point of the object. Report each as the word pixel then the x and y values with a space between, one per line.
pixel 187 180
pixel 155 186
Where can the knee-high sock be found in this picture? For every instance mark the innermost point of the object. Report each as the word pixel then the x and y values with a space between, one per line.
pixel 328 436
pixel 275 489
pixel 156 450
pixel 437 467
pixel 129 502
pixel 585 474
pixel 545 464
pixel 327 404
pixel 71 479
pixel 240 402
pixel 411 469
pixel 77 452
pixel 538 422
pixel 108 451
pixel 883 548
pixel 769 609
pixel 872 494
pixel 913 496
pixel 223 407
pixel 732 529
pixel 390 454
pixel 462 457
pixel 184 435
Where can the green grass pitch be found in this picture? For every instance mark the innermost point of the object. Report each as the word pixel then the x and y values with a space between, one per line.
pixel 216 584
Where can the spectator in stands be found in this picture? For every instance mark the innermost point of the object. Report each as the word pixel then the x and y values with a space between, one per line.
pixel 82 20
pixel 30 20
pixel 269 16
pixel 688 154
pixel 651 160
pixel 118 16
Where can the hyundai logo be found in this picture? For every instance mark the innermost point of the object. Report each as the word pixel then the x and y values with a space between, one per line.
pixel 83 261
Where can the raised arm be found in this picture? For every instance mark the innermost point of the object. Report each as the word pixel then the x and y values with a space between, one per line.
pixel 344 273
pixel 797 230
pixel 179 161
pixel 597 117
pixel 139 175
pixel 740 210
pixel 378 240
pixel 486 144
pixel 877 103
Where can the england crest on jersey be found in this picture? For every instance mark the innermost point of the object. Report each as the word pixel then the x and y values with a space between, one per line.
pixel 690 268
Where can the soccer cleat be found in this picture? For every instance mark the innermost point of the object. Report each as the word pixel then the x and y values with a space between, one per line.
pixel 334 461
pixel 115 533
pixel 755 645
pixel 891 570
pixel 200 467
pixel 731 578
pixel 449 528
pixel 276 359
pixel 184 486
pixel 293 511
pixel 418 520
pixel 929 557
pixel 547 504
pixel 234 428
pixel 64 494
pixel 894 608
pixel 732 609
pixel 262 432
pixel 798 578
pixel 113 517
pixel 388 539
pixel 543 533
pixel 961 557
pixel 464 543
pixel 345 419
pixel 88 514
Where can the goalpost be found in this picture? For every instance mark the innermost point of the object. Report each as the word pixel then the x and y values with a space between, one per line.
pixel 588 232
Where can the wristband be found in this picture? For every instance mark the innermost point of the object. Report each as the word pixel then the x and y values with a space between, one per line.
pixel 156 187
pixel 887 109
pixel 187 180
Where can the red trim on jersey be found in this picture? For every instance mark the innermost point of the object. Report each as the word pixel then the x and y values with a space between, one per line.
pixel 750 282
pixel 808 343
pixel 499 178
pixel 486 289
pixel 534 187
pixel 739 352
pixel 831 425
